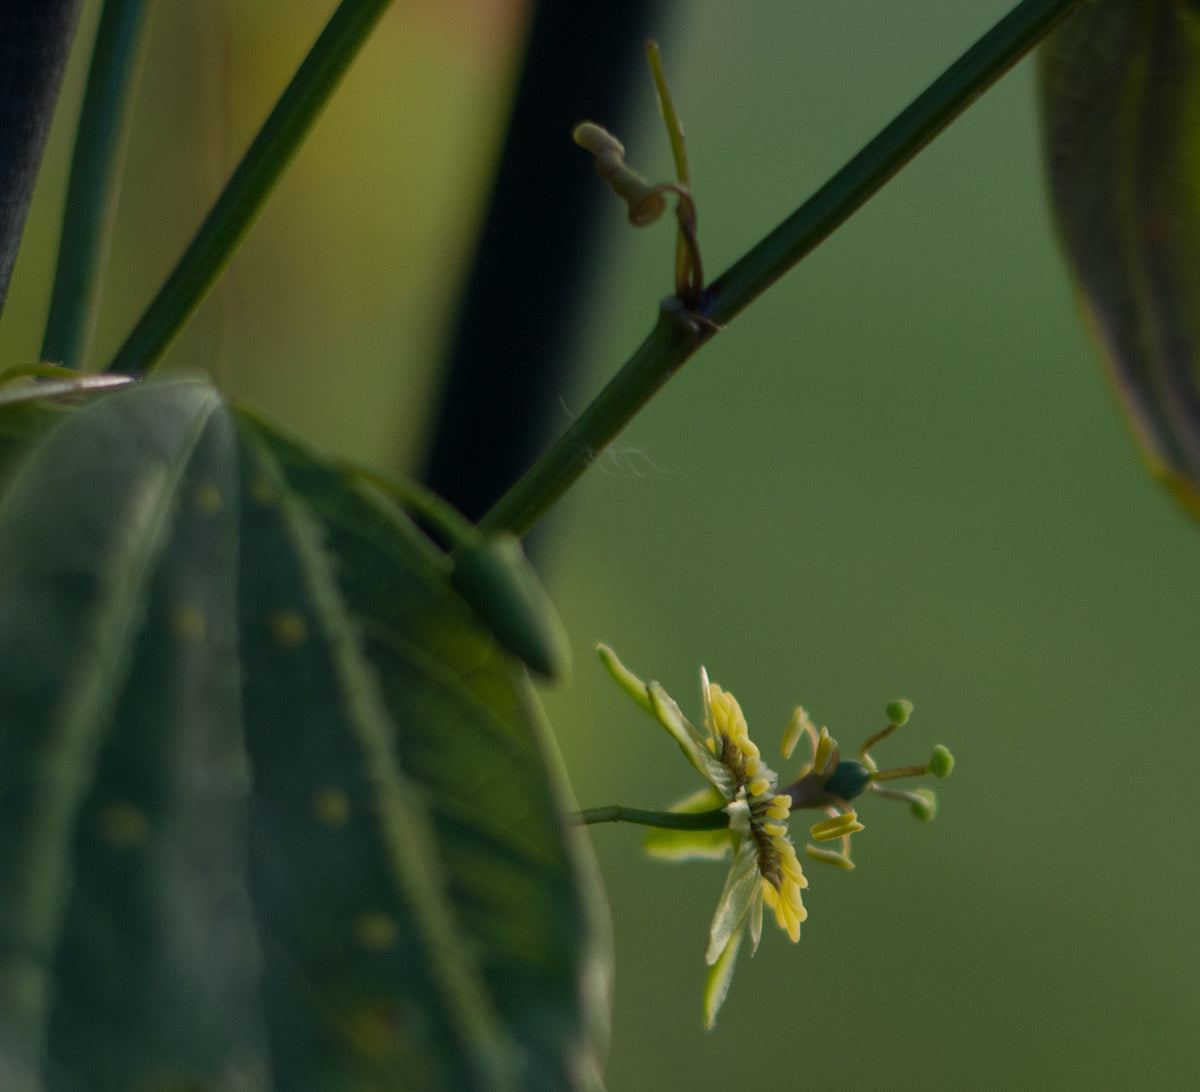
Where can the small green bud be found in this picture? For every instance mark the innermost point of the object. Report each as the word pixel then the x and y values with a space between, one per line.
pixel 941 763
pixel 924 808
pixel 500 585
pixel 899 711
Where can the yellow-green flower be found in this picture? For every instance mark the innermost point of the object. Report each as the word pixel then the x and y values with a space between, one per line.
pixel 742 812
pixel 765 868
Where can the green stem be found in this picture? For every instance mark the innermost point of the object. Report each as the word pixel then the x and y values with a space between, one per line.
pixel 249 185
pixel 899 142
pixel 95 181
pixel 675 338
pixel 670 820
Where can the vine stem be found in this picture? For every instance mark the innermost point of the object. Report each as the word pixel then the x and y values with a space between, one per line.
pixel 673 339
pixel 250 184
pixel 95 181
pixel 717 819
pixel 678 333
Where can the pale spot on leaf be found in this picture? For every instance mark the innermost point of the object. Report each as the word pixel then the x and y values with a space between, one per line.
pixel 376 931
pixel 207 498
pixel 123 826
pixel 262 491
pixel 288 628
pixel 331 806
pixel 187 622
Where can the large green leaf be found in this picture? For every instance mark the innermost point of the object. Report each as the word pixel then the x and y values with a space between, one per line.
pixel 1120 105
pixel 30 406
pixel 279 812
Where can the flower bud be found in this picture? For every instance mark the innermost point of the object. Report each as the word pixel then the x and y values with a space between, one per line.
pixel 499 584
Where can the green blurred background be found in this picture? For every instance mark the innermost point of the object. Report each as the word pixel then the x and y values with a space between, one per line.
pixel 899 474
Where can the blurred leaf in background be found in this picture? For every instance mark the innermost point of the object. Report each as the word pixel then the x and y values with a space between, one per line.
pixel 1120 102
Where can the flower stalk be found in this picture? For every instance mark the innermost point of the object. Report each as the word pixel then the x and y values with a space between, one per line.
pixel 714 819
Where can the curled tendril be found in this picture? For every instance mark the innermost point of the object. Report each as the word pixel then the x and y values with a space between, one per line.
pixel 647 202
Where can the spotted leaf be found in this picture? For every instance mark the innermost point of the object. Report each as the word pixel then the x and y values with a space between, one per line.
pixel 279 812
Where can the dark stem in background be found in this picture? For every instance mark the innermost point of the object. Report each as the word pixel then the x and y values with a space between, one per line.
pixel 35 41
pixel 508 366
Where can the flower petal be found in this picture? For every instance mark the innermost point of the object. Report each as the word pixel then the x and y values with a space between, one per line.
pixel 719 976
pixel 756 915
pixel 690 845
pixel 741 886
pixel 624 678
pixel 708 798
pixel 654 699
pixel 669 715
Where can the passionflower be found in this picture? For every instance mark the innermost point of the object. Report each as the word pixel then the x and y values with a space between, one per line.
pixel 765 869
pixel 742 813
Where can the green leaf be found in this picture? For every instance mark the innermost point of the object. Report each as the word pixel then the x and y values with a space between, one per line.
pixel 440 752
pixel 35 399
pixel 279 812
pixel 106 930
pixel 1120 105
